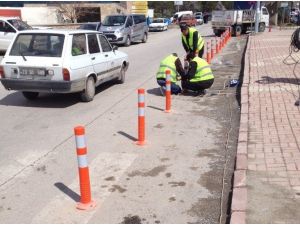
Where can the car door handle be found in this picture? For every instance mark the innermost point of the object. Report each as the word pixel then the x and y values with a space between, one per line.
pixel 106 55
pixel 93 58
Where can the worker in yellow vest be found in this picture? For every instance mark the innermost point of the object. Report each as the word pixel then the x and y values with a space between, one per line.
pixel 191 40
pixel 199 76
pixel 172 63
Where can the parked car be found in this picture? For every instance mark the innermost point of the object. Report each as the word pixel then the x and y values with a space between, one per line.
pixel 9 27
pixel 124 29
pixel 158 24
pixel 61 61
pixel 90 26
pixel 190 20
pixel 198 14
pixel 177 15
pixel 199 19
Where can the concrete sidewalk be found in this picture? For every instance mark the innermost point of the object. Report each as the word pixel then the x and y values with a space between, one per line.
pixel 267 174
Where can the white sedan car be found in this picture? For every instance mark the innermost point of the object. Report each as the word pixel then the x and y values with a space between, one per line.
pixel 61 61
pixel 159 24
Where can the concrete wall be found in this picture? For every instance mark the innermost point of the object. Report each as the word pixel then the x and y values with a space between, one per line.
pixel 39 15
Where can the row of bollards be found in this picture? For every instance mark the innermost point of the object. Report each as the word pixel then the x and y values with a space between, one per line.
pixel 214 46
pixel 86 201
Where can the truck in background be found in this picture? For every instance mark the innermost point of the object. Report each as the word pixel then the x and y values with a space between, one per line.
pixel 239 20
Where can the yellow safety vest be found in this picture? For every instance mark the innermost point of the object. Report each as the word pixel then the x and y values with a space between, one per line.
pixel 189 42
pixel 168 63
pixel 203 71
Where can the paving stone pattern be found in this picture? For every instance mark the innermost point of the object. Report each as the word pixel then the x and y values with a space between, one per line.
pixel 270 122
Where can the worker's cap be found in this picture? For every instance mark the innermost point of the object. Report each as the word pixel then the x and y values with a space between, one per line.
pixel 183 26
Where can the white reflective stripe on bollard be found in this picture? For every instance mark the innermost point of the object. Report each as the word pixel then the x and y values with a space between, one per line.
pixel 82 161
pixel 141 98
pixel 142 111
pixel 80 141
pixel 168 87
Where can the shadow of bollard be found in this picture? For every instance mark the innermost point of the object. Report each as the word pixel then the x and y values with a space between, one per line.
pixel 73 195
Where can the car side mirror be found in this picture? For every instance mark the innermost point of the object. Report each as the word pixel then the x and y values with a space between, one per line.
pixel 115 48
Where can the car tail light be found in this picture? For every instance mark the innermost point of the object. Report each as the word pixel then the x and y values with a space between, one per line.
pixel 2 75
pixel 66 74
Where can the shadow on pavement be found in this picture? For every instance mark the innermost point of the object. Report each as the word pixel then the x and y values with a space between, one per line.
pixel 154 91
pixel 73 195
pixel 153 107
pixel 48 100
pixel 271 80
pixel 127 135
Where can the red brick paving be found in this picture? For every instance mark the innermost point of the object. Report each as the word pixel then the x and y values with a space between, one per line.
pixel 270 122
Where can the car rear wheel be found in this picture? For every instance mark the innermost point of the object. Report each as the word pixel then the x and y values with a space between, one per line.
pixel 127 42
pixel 121 79
pixel 30 95
pixel 145 38
pixel 88 94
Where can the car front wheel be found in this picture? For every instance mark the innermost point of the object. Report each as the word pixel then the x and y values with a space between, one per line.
pixel 127 42
pixel 88 93
pixel 30 95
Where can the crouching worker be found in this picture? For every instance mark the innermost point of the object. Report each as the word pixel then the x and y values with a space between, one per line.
pixel 172 63
pixel 199 76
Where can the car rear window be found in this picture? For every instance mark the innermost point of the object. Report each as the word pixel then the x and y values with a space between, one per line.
pixel 79 44
pixel 40 45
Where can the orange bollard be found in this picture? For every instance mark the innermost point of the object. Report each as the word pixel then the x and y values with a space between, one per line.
pixel 141 117
pixel 168 91
pixel 212 49
pixel 270 28
pixel 217 46
pixel 84 177
pixel 208 53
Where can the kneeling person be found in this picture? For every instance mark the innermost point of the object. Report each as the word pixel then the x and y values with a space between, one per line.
pixel 199 76
pixel 172 63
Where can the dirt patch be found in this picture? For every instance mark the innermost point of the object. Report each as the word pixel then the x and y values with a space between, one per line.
pixel 177 184
pixel 110 179
pixel 168 174
pixel 118 188
pixel 172 199
pixel 132 220
pixel 151 173
pixel 159 126
pixel 164 159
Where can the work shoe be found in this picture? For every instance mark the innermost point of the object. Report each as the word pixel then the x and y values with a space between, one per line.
pixel 162 91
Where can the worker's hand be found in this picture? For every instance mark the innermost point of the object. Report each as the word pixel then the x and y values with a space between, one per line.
pixel 178 77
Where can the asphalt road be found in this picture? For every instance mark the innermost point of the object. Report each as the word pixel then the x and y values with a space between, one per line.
pixel 178 177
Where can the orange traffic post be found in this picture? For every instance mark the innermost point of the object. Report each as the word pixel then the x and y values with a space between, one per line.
pixel 270 28
pixel 168 91
pixel 208 53
pixel 84 177
pixel 212 49
pixel 141 117
pixel 217 46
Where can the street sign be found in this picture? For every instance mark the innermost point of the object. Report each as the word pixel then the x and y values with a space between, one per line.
pixel 178 2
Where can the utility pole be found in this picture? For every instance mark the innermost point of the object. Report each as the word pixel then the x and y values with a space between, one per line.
pixel 257 16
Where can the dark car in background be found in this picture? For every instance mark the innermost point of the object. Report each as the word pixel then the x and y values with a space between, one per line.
pixel 90 26
pixel 188 19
